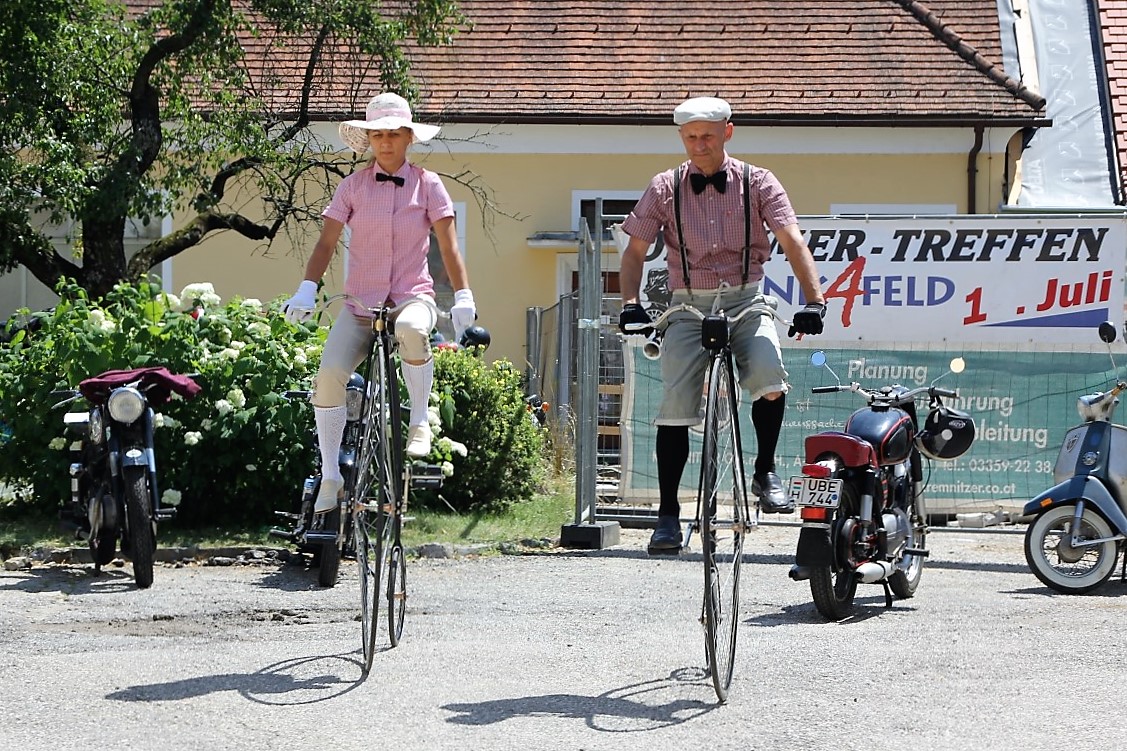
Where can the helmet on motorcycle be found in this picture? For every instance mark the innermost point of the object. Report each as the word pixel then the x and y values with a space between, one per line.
pixel 947 434
pixel 475 336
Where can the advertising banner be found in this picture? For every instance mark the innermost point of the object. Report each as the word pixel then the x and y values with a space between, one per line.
pixel 1007 280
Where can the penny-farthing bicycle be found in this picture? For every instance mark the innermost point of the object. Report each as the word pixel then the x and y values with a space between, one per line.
pixel 723 513
pixel 375 493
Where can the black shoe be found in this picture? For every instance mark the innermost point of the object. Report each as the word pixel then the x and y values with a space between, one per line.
pixel 667 537
pixel 772 498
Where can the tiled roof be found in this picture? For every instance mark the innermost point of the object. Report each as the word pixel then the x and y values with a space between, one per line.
pixel 1113 20
pixel 631 61
pixel 780 61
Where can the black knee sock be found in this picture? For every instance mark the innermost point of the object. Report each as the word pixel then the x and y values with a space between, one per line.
pixel 672 453
pixel 767 417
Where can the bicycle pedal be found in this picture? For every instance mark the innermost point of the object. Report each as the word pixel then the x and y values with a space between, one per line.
pixel 320 537
pixel 288 515
pixel 284 534
pixel 426 476
pixel 920 552
pixel 165 514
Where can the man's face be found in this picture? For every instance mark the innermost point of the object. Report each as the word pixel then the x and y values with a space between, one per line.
pixel 704 143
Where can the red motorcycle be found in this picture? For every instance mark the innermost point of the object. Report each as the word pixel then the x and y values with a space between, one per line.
pixel 861 492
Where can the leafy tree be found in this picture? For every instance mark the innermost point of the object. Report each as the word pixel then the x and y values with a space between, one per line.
pixel 113 112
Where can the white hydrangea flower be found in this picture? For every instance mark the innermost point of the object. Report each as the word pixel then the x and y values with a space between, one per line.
pixel 433 417
pixel 300 360
pixel 447 469
pixel 198 292
pixel 251 468
pixel 223 406
pixel 192 437
pixel 237 398
pixel 458 448
pixel 227 353
pixel 252 302
pixel 236 344
pixel 171 301
pixel 158 420
pixel 258 328
pixel 205 424
pixel 102 321
pixel 170 497
pixel 210 298
pixel 57 444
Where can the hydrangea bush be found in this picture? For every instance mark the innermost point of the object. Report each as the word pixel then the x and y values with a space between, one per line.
pixel 240 449
pixel 233 454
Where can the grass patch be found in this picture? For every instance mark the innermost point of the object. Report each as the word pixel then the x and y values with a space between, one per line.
pixel 536 519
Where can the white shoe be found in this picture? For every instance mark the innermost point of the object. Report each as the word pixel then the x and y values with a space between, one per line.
pixel 418 440
pixel 328 497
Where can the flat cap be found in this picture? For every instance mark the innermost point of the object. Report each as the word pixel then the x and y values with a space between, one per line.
pixel 707 108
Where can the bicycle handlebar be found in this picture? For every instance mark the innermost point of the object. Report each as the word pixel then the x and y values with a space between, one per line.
pixel 758 308
pixel 877 395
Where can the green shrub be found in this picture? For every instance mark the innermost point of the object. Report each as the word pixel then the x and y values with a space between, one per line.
pixel 488 442
pixel 234 453
pixel 239 450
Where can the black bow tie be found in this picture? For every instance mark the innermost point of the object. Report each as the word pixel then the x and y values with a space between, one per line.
pixel 382 177
pixel 699 182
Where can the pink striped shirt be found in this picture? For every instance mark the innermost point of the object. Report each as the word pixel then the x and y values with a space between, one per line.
pixel 713 224
pixel 387 253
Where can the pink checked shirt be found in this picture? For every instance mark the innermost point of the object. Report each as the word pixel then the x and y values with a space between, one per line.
pixel 387 253
pixel 713 224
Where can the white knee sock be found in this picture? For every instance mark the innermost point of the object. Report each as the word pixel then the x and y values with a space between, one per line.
pixel 330 431
pixel 419 379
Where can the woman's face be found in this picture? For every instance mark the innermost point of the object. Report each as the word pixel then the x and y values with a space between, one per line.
pixel 390 147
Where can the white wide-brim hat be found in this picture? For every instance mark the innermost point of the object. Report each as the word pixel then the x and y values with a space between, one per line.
pixel 384 112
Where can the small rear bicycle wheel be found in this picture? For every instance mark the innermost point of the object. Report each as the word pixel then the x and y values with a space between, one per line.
pixel 396 587
pixel 724 521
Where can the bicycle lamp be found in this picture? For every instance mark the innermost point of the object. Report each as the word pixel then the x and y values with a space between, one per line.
pixel 126 404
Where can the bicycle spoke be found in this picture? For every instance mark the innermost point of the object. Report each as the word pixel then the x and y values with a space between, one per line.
pixel 723 500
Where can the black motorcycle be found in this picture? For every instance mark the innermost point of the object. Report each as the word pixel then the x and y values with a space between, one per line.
pixel 326 537
pixel 114 492
pixel 861 492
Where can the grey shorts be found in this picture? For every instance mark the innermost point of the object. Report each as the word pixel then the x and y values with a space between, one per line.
pixel 684 362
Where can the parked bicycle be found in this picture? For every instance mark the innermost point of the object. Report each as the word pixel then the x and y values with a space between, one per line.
pixel 723 513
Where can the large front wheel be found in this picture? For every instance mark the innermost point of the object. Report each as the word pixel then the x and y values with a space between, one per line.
pixel 724 521
pixel 138 510
pixel 1064 566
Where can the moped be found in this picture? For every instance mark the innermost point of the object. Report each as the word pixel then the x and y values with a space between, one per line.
pixel 113 470
pixel 1080 523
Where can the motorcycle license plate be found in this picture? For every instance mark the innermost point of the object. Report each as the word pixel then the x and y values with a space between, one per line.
pixel 815 491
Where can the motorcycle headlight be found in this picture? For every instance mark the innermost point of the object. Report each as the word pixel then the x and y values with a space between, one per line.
pixel 97 427
pixel 353 403
pixel 126 405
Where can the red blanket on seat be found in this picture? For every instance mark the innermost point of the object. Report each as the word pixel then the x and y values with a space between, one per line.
pixel 157 384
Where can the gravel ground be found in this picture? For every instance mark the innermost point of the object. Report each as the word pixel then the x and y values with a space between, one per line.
pixel 559 649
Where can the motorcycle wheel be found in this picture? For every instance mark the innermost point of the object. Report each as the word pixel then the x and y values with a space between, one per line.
pixel 906 578
pixel 103 538
pixel 1059 565
pixel 328 556
pixel 142 541
pixel 834 587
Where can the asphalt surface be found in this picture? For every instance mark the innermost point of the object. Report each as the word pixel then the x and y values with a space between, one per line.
pixel 560 650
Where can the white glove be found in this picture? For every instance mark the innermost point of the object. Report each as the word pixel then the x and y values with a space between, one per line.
pixel 299 308
pixel 463 312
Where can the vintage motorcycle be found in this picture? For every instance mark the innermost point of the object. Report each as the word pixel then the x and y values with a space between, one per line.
pixel 1080 523
pixel 861 492
pixel 113 472
pixel 327 537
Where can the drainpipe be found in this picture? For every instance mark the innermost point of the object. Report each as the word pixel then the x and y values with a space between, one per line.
pixel 972 171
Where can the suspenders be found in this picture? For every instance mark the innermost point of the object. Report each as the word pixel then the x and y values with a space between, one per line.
pixel 681 235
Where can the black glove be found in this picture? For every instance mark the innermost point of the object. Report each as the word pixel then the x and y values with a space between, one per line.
pixel 634 320
pixel 808 320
